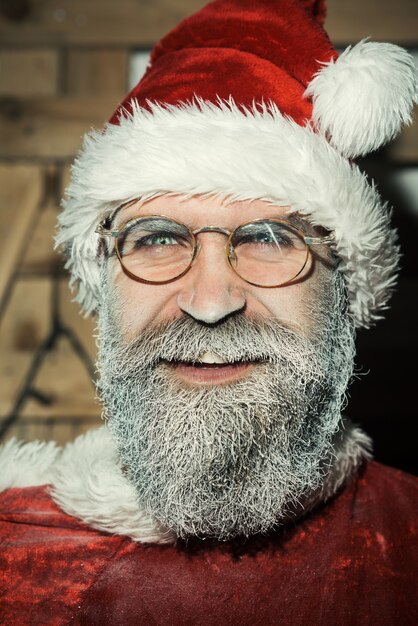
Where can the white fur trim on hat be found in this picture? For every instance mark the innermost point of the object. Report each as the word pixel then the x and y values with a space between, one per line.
pixel 203 148
pixel 361 100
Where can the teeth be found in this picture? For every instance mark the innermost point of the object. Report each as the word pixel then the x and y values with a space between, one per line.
pixel 210 357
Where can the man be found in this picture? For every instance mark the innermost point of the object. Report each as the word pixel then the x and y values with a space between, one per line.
pixel 230 248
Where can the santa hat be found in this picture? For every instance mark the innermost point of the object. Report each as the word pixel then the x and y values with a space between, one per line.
pixel 247 99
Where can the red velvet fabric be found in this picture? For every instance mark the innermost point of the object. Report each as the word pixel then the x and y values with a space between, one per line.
pixel 252 50
pixel 353 562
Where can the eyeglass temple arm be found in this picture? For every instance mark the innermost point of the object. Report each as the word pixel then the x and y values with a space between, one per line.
pixel 315 241
pixel 106 232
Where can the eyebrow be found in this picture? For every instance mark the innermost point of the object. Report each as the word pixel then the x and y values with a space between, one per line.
pixel 111 218
pixel 294 218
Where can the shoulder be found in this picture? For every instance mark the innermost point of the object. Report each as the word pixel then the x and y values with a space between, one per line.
pixel 49 559
pixel 29 517
pixel 385 481
pixel 84 479
pixel 28 475
pixel 387 498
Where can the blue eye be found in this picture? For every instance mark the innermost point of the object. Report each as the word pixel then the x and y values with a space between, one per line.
pixel 266 236
pixel 151 237
pixel 157 239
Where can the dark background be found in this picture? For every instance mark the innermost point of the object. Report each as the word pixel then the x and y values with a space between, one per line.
pixel 384 397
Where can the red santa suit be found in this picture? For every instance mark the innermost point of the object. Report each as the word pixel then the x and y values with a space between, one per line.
pixel 350 561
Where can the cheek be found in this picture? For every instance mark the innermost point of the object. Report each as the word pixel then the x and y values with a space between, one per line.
pixel 296 304
pixel 138 305
pixel 288 304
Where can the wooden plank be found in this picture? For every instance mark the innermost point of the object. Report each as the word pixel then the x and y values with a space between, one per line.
pixel 24 327
pixel 65 178
pixel 63 430
pixel 13 368
pixel 21 188
pixel 97 22
pixel 62 374
pixel 97 72
pixel 62 377
pixel 381 20
pixel 22 330
pixel 140 24
pixel 31 431
pixel 52 128
pixel 65 381
pixel 405 148
pixel 84 328
pixel 40 256
pixel 60 430
pixel 28 72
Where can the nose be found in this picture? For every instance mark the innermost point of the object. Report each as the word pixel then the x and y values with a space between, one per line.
pixel 211 291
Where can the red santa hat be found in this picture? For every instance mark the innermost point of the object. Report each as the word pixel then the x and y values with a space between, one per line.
pixel 247 99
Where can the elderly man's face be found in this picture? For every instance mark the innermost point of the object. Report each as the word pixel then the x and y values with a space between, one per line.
pixel 229 448
pixel 211 291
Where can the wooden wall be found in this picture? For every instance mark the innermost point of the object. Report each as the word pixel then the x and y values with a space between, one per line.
pixel 64 66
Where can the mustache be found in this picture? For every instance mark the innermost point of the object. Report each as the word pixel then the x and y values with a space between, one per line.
pixel 184 339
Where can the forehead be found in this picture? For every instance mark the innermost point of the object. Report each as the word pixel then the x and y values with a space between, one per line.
pixel 199 211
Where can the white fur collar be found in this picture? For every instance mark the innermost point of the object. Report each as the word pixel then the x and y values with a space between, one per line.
pixel 87 481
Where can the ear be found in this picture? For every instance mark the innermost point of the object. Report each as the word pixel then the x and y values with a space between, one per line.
pixel 361 100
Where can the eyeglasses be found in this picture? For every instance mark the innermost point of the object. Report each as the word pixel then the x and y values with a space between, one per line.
pixel 266 252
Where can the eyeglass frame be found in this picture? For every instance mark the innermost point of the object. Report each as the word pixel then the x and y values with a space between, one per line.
pixel 308 240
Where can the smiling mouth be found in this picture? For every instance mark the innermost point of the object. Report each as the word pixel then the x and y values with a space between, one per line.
pixel 210 368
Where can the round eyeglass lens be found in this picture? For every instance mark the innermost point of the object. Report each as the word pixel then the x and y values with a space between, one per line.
pixel 155 249
pixel 267 253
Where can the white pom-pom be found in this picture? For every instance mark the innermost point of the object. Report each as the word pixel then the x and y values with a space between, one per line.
pixel 361 100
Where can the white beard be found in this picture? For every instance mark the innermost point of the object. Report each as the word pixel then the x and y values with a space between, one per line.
pixel 234 459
